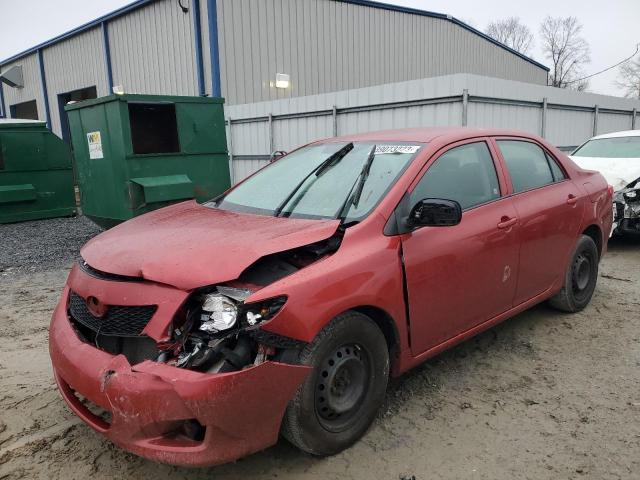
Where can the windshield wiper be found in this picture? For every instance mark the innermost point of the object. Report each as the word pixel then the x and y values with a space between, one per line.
pixel 354 200
pixel 318 171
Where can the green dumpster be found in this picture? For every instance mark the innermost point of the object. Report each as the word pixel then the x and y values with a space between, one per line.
pixel 36 179
pixel 137 153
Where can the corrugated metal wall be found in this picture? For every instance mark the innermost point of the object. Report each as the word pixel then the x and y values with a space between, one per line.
pixel 571 127
pixel 491 115
pixel 83 55
pixel 32 89
pixel 327 46
pixel 152 50
pixel 243 167
pixel 492 103
pixel 612 122
pixel 401 117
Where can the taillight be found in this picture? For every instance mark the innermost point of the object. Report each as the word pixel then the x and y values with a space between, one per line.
pixel 610 189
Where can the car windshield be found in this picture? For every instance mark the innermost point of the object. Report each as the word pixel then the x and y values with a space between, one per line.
pixel 318 181
pixel 617 147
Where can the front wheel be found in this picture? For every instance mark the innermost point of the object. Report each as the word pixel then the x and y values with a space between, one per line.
pixel 338 401
pixel 580 279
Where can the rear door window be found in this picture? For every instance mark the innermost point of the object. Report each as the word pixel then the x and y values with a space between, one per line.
pixel 527 163
pixel 558 174
pixel 465 174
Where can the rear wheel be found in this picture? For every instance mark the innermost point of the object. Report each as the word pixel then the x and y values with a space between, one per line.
pixel 339 399
pixel 580 279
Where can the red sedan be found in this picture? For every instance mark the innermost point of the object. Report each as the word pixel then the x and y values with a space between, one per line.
pixel 196 334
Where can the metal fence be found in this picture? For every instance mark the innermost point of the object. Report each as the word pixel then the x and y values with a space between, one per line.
pixel 252 138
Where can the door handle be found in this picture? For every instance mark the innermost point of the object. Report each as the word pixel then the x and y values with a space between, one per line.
pixel 572 199
pixel 506 222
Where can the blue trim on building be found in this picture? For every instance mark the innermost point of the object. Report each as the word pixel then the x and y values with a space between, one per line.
pixel 197 34
pixel 107 56
pixel 94 23
pixel 3 111
pixel 214 48
pixel 43 81
pixel 213 26
pixel 442 16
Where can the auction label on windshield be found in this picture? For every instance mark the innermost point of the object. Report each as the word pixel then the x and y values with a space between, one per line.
pixel 382 149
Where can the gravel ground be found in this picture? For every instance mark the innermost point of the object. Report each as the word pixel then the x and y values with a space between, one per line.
pixel 43 244
pixel 544 395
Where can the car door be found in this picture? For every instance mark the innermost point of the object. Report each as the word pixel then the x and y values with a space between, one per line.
pixel 549 212
pixel 458 277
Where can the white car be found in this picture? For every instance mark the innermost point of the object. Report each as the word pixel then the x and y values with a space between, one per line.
pixel 617 157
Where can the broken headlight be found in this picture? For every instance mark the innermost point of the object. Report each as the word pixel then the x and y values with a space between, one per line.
pixel 219 313
pixel 632 195
pixel 225 309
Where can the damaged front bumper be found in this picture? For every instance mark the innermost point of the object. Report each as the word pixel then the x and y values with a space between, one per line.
pixel 626 210
pixel 168 414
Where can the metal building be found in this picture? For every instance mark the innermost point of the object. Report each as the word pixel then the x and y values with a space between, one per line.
pixel 565 117
pixel 244 50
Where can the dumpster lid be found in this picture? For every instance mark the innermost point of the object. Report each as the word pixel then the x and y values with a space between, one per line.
pixel 142 98
pixel 16 122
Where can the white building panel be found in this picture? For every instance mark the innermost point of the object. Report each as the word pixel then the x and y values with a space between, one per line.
pixel 569 127
pixel 83 56
pixel 243 167
pixel 249 138
pixel 326 46
pixel 493 103
pixel 613 122
pixel 496 115
pixel 32 89
pixel 291 133
pixel 152 50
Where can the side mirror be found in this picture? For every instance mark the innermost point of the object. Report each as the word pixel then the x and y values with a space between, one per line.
pixel 277 155
pixel 435 212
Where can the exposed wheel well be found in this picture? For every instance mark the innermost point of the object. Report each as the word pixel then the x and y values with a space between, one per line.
pixel 386 324
pixel 595 233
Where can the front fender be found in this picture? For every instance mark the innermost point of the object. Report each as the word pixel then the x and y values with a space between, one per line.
pixel 365 271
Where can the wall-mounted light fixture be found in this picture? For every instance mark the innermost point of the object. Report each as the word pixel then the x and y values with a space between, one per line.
pixel 118 89
pixel 282 80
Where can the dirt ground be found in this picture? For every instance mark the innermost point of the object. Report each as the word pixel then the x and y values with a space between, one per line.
pixel 544 395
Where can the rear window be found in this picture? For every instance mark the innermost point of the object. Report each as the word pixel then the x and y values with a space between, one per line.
pixel 528 165
pixel 619 147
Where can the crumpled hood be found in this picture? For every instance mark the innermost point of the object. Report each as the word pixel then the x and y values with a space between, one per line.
pixel 618 172
pixel 189 245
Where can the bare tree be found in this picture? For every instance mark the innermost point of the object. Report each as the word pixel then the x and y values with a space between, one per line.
pixel 629 78
pixel 513 33
pixel 567 50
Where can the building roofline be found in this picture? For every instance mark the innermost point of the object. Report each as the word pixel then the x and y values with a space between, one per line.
pixel 74 31
pixel 367 3
pixel 442 16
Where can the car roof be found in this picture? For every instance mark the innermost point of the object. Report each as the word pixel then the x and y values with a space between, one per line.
pixel 429 134
pixel 625 133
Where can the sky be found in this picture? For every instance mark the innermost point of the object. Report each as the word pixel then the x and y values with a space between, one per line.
pixel 611 28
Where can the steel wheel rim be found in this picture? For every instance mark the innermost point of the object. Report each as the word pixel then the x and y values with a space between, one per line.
pixel 581 274
pixel 341 387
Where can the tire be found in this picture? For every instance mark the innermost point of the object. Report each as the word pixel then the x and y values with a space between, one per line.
pixel 580 279
pixel 332 409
